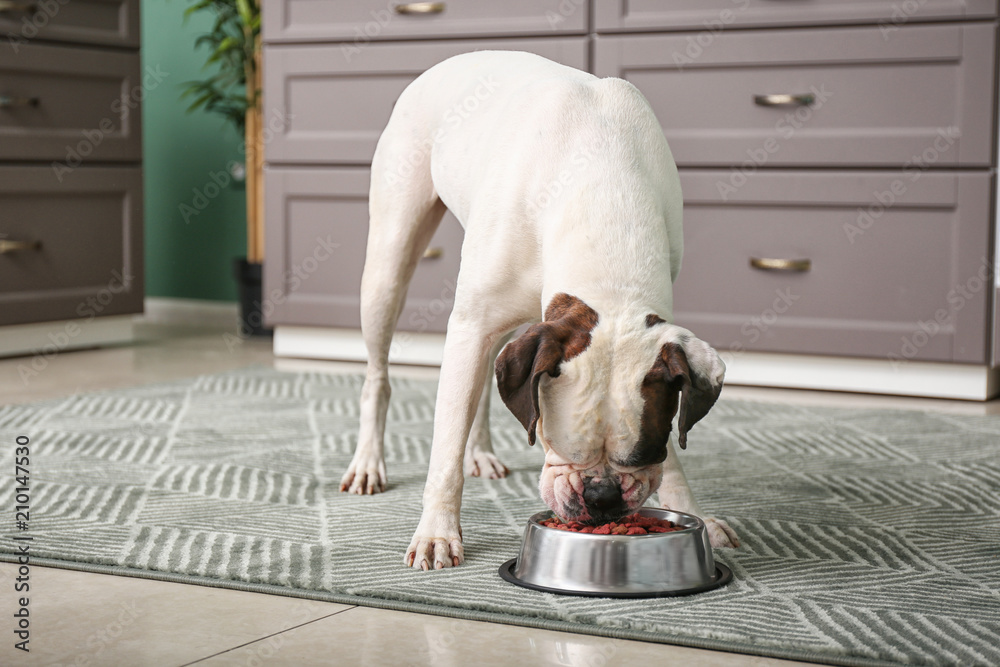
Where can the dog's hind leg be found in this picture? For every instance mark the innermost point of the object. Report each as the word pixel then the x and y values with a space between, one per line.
pixel 480 461
pixel 404 213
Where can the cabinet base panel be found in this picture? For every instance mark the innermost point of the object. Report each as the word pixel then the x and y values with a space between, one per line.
pixel 49 338
pixel 868 376
pixel 421 349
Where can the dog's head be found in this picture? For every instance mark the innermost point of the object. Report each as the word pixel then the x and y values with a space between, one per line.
pixel 601 397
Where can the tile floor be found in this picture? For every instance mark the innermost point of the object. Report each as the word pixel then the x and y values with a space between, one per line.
pixel 93 619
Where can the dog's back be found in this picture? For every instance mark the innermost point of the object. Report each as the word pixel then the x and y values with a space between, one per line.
pixel 525 106
pixel 540 153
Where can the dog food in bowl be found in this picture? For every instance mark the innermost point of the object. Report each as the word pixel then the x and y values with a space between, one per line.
pixel 627 558
pixel 633 524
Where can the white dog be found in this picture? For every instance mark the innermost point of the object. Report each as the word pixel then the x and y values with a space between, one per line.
pixel 571 205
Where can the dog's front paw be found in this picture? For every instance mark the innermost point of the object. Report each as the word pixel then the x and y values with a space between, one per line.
pixel 437 543
pixel 365 475
pixel 721 534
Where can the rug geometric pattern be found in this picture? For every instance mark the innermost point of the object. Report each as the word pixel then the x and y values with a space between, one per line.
pixel 868 536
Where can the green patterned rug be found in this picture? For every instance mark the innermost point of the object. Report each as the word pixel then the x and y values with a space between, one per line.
pixel 869 537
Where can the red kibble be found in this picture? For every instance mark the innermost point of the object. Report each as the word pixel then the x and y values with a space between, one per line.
pixel 634 524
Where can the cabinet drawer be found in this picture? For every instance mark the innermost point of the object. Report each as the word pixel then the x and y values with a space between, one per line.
pixel 878 99
pixel 89 227
pixel 898 261
pixel 69 106
pixel 326 108
pixel 639 15
pixel 360 22
pixel 106 22
pixel 317 233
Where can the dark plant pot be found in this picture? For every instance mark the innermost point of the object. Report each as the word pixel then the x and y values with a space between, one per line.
pixel 248 279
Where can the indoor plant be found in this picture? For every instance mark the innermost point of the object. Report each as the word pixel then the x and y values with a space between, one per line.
pixel 234 92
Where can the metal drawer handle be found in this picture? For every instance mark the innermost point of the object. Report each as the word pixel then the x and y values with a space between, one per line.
pixel 7 247
pixel 765 264
pixel 803 100
pixel 420 8
pixel 433 253
pixel 8 102
pixel 9 7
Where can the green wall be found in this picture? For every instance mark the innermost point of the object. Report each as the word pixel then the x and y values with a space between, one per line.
pixel 186 258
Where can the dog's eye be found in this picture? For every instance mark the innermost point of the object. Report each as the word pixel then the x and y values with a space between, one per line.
pixel 646 453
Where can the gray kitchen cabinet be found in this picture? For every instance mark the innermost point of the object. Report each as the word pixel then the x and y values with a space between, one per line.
pixel 80 237
pixel 837 154
pixel 325 210
pixel 353 24
pixel 68 104
pixel 71 237
pixel 715 15
pixel 865 98
pixel 98 22
pixel 866 274
pixel 335 108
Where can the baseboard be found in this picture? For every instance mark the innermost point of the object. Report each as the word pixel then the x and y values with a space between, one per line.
pixel 996 320
pixel 46 339
pixel 421 349
pixel 790 371
pixel 192 312
pixel 868 376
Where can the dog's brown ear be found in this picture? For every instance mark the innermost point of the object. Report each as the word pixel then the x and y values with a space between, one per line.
pixel 563 334
pixel 520 367
pixel 699 375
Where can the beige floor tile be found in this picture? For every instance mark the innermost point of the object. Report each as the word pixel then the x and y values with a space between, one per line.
pixel 158 356
pixel 90 619
pixel 369 636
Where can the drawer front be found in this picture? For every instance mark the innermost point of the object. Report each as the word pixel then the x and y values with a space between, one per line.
pixel 995 359
pixel 899 263
pixel 70 106
pixel 89 227
pixel 713 15
pixel 317 233
pixel 364 21
pixel 878 99
pixel 105 22
pixel 326 108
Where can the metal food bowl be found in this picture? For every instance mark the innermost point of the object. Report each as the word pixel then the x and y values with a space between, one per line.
pixel 621 566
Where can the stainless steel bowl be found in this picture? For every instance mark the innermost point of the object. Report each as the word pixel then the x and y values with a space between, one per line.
pixel 653 565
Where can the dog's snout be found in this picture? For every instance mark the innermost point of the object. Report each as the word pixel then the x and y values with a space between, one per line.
pixel 603 498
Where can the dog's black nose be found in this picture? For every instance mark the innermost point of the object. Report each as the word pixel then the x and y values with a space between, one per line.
pixel 603 498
